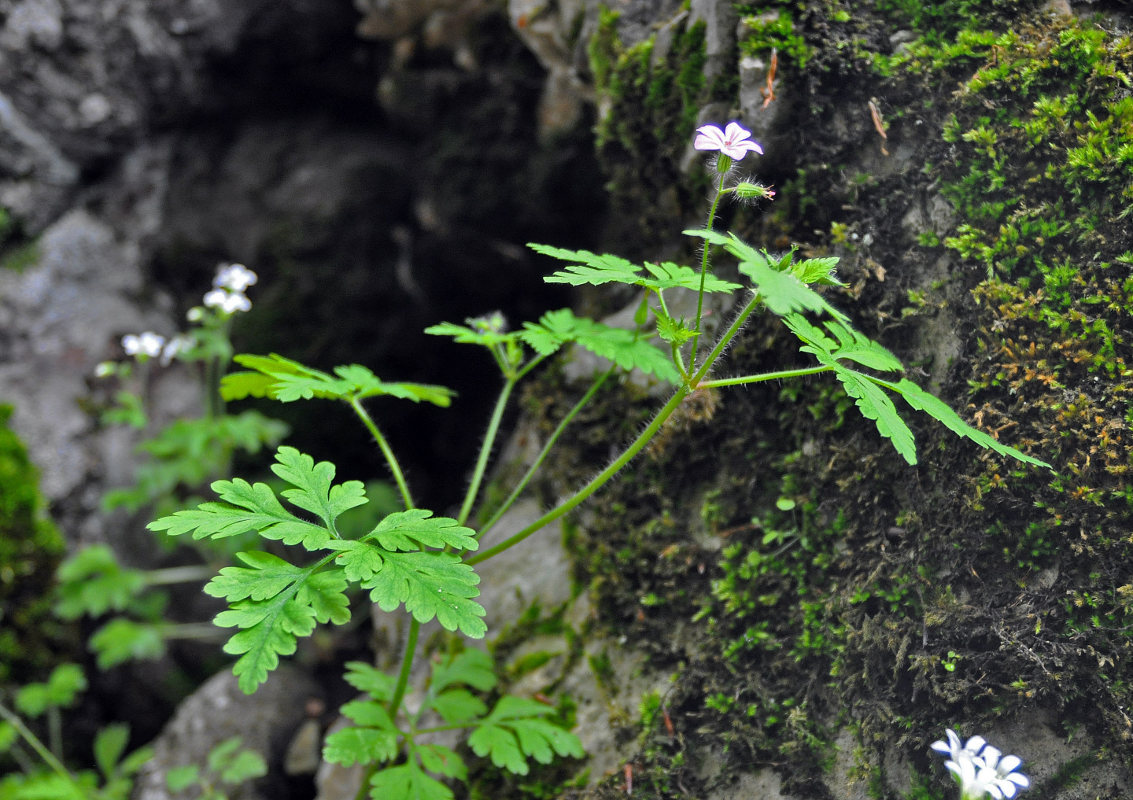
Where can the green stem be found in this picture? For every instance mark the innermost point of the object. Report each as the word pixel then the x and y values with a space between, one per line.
pixel 406 666
pixel 171 575
pixel 763 376
pixel 41 750
pixel 539 459
pixel 594 485
pixel 193 630
pixel 725 340
pixel 704 274
pixel 485 451
pixel 383 445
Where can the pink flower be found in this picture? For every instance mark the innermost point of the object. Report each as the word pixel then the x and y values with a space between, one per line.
pixel 734 141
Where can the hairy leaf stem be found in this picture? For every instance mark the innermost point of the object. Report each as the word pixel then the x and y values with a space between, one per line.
pixel 539 459
pixel 704 275
pixel 724 340
pixel 383 445
pixel 763 376
pixel 486 450
pixel 596 483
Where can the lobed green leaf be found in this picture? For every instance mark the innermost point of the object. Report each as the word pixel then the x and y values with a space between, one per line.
pixel 936 408
pixel 430 584
pixel 285 380
pixel 625 348
pixel 407 782
pixel 781 290
pixel 417 528
pixel 313 490
pixel 516 731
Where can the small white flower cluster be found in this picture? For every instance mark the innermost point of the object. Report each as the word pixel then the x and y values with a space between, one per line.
pixel 147 345
pixel 981 769
pixel 229 285
pixel 227 296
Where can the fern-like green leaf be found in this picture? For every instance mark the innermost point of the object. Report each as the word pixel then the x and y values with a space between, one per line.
pixel 849 344
pixel 817 270
pixel 407 782
pixel 314 490
pixel 466 335
pixel 780 289
pixel 268 629
pixel 672 276
pixel 372 738
pixel 441 760
pixel 875 405
pixel 429 583
pixel 516 731
pixel 590 268
pixel 936 408
pixel 254 507
pixel 273 602
pixel 471 666
pixel 285 380
pixel 368 678
pixel 418 528
pixel 623 347
pixel 248 508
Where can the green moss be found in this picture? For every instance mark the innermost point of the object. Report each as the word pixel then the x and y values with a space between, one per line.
pixel 762 35
pixel 30 549
pixel 650 101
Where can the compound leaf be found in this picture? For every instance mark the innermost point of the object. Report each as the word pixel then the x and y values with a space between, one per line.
pixel 590 268
pixel 248 507
pixel 417 528
pixel 368 678
pixel 441 760
pixel 429 583
pixel 470 666
pixel 313 490
pixel 781 290
pixel 458 705
pixel 850 344
pixel 671 276
pixel 286 381
pixel 407 782
pixel 516 730
pixel 486 337
pixel 875 404
pixel 625 348
pixel 268 629
pixel 936 408
pixel 359 745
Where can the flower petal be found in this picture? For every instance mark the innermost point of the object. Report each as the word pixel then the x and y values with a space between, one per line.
pixel 708 137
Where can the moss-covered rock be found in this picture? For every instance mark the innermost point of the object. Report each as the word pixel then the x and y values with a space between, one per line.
pixel 829 610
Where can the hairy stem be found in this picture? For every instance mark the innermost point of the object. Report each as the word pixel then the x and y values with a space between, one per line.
pixel 485 451
pixel 763 376
pixel 703 275
pixel 594 485
pixel 539 459
pixel 725 340
pixel 383 445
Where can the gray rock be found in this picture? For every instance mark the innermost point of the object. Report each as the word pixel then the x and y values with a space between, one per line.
pixel 265 722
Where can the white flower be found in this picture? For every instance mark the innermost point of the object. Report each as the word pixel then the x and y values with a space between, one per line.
pixel 227 301
pixel 733 141
pixel 1007 781
pixel 144 345
pixel 178 344
pixel 981 769
pixel 236 277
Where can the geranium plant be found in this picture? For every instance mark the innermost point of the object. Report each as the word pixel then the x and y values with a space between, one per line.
pixel 425 564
